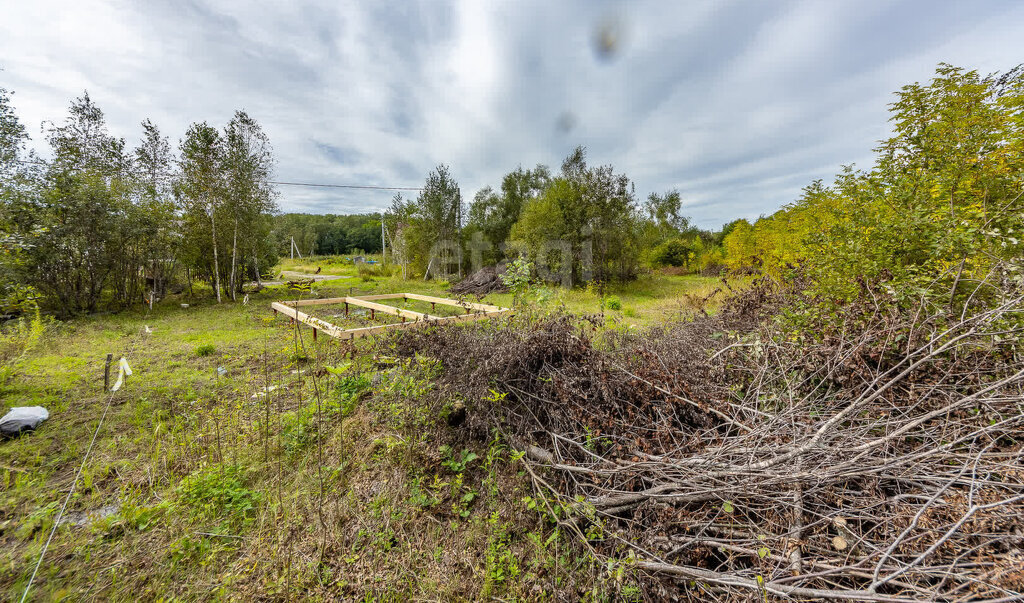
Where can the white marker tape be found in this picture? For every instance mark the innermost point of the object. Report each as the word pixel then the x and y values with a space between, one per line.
pixel 123 370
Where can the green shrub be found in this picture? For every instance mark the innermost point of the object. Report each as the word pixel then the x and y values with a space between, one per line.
pixel 613 303
pixel 456 462
pixel 17 339
pixel 674 252
pixel 219 492
pixel 348 390
pixel 207 349
pixel 368 271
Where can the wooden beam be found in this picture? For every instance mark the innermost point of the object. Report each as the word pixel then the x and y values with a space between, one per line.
pixel 312 321
pixel 356 301
pixel 381 296
pixel 453 302
pixel 367 331
pixel 327 301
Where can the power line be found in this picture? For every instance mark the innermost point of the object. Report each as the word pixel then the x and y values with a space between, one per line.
pixel 359 186
pixel 310 184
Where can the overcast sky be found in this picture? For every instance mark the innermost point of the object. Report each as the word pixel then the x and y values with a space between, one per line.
pixel 738 105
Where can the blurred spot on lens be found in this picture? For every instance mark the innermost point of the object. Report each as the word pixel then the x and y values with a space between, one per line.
pixel 565 122
pixel 608 38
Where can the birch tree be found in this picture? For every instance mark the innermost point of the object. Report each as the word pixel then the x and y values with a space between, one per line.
pixel 248 164
pixel 201 187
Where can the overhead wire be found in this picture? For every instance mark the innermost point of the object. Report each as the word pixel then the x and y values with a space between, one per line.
pixel 284 183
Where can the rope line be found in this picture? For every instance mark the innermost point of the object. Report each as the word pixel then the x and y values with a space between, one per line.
pixel 78 475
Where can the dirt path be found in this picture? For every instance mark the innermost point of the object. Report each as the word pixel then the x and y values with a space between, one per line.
pixel 289 275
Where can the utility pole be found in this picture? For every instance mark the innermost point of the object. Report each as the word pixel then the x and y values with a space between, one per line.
pixel 383 243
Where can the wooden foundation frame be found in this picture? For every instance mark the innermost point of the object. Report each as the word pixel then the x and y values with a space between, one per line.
pixel 473 311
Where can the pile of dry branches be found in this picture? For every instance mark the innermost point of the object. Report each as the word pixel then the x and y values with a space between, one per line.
pixel 879 459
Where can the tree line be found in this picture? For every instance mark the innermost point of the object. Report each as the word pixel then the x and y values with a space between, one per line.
pixel 327 234
pixel 942 206
pixel 101 225
pixel 583 222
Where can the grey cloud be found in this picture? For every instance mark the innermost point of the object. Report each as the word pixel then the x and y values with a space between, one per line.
pixel 736 104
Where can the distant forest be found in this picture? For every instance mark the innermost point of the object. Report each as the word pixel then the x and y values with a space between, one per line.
pixel 327 234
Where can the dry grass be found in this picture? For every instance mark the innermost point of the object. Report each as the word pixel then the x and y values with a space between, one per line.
pixel 873 455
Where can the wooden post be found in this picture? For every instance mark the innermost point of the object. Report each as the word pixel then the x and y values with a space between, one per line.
pixel 371 314
pixel 314 334
pixel 106 372
pixel 346 309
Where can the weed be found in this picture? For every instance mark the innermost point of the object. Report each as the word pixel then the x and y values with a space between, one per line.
pixel 348 390
pixel 502 563
pixel 207 349
pixel 421 497
pixel 219 492
pixel 456 463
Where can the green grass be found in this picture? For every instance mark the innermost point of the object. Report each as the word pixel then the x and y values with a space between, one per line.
pixel 647 301
pixel 202 486
pixel 334 265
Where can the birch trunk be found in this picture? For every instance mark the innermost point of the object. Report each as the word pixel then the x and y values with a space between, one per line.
pixel 234 261
pixel 216 262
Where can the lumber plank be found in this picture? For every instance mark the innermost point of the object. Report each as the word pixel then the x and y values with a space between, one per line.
pixel 312 321
pixel 453 302
pixel 375 329
pixel 356 301
pixel 381 296
pixel 327 301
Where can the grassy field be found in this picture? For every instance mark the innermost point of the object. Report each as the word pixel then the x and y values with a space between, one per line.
pixel 243 459
pixel 651 299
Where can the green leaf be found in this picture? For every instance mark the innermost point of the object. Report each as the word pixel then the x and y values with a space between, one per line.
pixel 727 507
pixel 763 552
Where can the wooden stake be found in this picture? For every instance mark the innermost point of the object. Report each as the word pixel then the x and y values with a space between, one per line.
pixel 106 373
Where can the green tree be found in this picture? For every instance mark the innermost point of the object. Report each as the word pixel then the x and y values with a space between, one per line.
pixel 153 239
pixel 201 192
pixel 435 224
pixel 594 212
pixel 494 213
pixel 15 185
pixel 941 206
pixel 247 164
pixel 80 212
